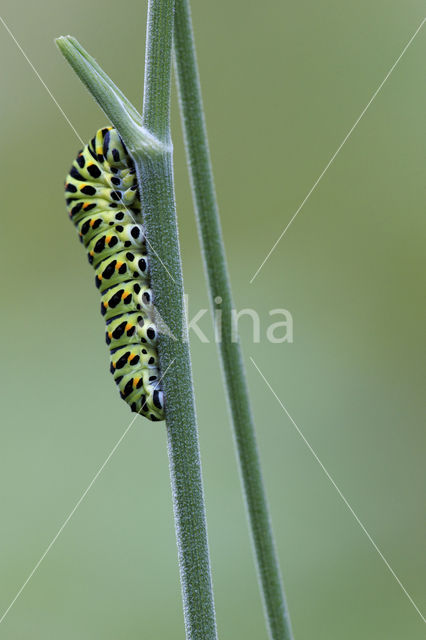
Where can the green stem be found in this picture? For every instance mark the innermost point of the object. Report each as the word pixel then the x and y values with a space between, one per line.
pixel 123 115
pixel 98 69
pixel 158 206
pixel 148 140
pixel 219 285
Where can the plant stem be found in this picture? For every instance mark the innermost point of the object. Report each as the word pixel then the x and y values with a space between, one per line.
pixel 112 101
pixel 101 73
pixel 219 285
pixel 148 140
pixel 157 195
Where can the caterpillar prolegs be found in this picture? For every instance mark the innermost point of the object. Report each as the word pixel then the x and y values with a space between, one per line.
pixel 103 203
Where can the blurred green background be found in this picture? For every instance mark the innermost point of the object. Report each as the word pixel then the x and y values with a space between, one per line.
pixel 283 83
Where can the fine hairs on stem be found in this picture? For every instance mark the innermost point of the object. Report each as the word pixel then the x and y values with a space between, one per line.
pixel 156 178
pixel 206 208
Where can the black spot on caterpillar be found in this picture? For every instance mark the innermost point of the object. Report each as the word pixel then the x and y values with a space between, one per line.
pixel 103 203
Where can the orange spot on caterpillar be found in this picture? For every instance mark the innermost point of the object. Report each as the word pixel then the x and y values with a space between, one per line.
pixel 128 326
pixel 86 204
pixel 124 294
pixel 118 265
pixel 135 382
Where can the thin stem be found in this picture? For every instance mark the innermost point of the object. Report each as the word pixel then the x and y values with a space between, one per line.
pixel 148 140
pixel 123 115
pixel 156 95
pixel 219 285
pixel 91 61
pixel 157 195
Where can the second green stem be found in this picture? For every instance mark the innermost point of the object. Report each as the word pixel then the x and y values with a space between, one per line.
pixel 219 284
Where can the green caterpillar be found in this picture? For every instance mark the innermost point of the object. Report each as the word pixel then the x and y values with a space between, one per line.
pixel 103 203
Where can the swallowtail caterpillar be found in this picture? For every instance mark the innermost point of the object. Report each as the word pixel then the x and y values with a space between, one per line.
pixel 103 203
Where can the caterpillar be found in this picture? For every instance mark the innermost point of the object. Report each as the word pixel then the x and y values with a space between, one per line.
pixel 104 205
